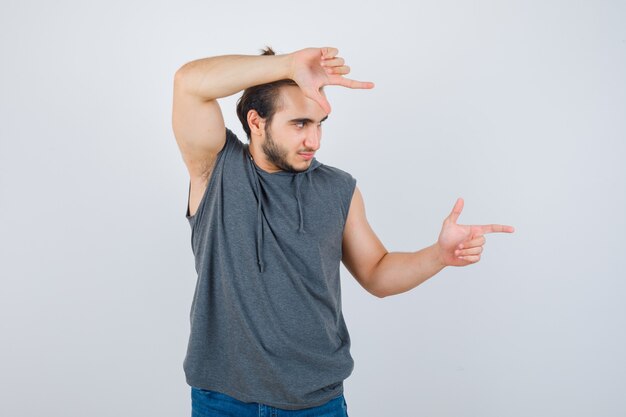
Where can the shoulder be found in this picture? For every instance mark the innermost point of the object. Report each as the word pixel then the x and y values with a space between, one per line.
pixel 233 152
pixel 337 182
pixel 232 141
pixel 335 173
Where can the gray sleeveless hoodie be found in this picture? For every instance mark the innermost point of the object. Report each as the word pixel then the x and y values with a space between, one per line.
pixel 266 318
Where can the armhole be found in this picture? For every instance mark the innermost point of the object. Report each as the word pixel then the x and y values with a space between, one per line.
pixel 351 190
pixel 218 158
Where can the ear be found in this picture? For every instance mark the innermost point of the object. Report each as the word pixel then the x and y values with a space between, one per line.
pixel 256 123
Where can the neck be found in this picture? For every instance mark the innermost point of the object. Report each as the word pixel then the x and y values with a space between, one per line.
pixel 259 159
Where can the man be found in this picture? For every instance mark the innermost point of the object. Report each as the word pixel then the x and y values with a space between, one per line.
pixel 270 227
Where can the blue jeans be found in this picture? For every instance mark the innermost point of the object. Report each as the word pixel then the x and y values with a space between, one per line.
pixel 205 403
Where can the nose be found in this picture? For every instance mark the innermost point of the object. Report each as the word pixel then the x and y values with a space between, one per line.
pixel 313 137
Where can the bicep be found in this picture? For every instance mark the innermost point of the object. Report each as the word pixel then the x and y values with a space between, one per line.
pixel 199 129
pixel 361 248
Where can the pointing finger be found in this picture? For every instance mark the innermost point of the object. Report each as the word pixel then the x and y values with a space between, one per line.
pixel 496 228
pixel 347 82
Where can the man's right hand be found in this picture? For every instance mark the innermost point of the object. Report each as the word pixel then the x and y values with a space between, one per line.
pixel 313 68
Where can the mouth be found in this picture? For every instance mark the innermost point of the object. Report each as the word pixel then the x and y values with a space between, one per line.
pixel 307 156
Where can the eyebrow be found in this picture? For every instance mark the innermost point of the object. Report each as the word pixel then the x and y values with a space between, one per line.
pixel 306 120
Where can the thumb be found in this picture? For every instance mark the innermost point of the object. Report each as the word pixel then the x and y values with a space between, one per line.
pixel 319 98
pixel 456 211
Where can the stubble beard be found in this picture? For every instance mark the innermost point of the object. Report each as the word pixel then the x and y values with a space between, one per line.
pixel 277 155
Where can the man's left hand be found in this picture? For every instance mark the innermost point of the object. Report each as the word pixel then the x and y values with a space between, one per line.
pixel 461 245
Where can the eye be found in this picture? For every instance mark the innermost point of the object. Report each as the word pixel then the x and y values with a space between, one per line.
pixel 300 124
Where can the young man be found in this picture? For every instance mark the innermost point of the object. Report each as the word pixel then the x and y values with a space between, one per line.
pixel 270 226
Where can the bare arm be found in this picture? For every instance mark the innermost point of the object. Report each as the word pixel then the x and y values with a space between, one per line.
pixel 385 273
pixel 196 116
pixel 222 76
pixel 380 272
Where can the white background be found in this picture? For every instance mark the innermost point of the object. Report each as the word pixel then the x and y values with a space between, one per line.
pixel 516 106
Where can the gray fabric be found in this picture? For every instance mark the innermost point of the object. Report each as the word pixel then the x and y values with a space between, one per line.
pixel 266 319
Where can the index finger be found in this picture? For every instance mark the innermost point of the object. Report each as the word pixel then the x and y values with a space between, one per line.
pixel 496 228
pixel 347 82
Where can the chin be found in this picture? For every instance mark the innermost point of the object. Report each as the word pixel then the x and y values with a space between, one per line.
pixel 302 166
pixel 298 162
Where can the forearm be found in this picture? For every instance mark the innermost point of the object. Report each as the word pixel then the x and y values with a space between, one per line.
pixel 398 272
pixel 222 76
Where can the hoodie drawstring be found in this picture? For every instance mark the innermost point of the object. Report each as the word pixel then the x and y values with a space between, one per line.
pixel 259 216
pixel 298 182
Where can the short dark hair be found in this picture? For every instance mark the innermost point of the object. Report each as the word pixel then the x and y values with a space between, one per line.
pixel 264 98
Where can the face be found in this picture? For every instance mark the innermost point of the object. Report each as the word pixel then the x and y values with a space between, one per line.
pixel 295 132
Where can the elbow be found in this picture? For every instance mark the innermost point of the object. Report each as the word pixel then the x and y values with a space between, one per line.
pixel 380 295
pixel 371 287
pixel 185 78
pixel 376 282
pixel 189 82
pixel 183 69
pixel 179 76
pixel 378 291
